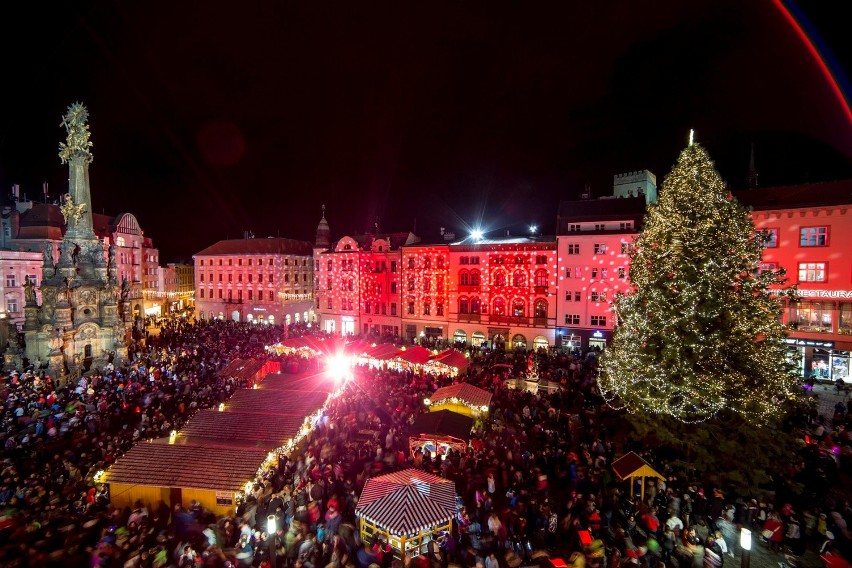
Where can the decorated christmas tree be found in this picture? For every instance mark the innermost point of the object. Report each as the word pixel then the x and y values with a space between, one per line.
pixel 700 333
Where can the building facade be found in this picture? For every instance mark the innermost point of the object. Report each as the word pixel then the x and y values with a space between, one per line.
pixel 16 266
pixel 808 229
pixel 255 280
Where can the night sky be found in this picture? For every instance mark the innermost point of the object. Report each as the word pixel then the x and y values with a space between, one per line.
pixel 212 118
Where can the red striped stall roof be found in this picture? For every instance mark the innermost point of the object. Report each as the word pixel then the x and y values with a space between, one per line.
pixel 407 501
pixel 474 396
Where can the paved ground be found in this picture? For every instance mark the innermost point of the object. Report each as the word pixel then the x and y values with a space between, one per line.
pixel 827 396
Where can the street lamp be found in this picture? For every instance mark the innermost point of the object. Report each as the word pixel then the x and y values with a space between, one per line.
pixel 745 544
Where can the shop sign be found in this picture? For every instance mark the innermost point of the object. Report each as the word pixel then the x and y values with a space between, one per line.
pixel 824 293
pixel 809 343
pixel 598 333
pixel 259 309
pixel 224 498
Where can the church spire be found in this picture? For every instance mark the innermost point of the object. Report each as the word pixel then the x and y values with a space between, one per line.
pixel 752 172
pixel 323 239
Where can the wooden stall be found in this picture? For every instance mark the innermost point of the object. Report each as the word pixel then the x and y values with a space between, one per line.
pixel 440 431
pixel 407 508
pixel 462 398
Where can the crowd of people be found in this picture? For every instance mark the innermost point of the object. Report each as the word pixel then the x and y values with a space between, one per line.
pixel 536 476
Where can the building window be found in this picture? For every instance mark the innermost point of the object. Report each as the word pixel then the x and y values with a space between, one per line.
pixel 622 272
pixel 427 285
pixel 384 309
pixel 220 293
pixel 625 226
pixel 540 309
pixel 500 279
pixel 518 308
pixel 474 278
pixel 768 237
pixel 201 292
pixel 844 324
pixel 474 260
pixel 519 260
pixel 594 273
pixel 329 304
pixel 11 305
pixel 625 248
pixel 812 316
pixel 812 272
pixel 600 227
pixel 573 248
pixel 411 308
pixel 393 288
pixel 540 278
pixel 499 307
pixel 439 309
pixel 813 236
pixel 411 284
pixel 498 260
pixel 599 296
pixel 269 262
pixel 259 278
pixel 600 248
pixel 33 280
pixel 393 266
pixel 11 281
pixel 427 263
pixel 427 308
pixel 767 267
pixel 250 295
pixel 519 279
pixel 464 260
pixel 475 306
pixel 367 307
pixel 598 321
pixel 572 319
pixel 573 272
pixel 574 228
pixel 411 263
pixel 286 277
pixel 393 308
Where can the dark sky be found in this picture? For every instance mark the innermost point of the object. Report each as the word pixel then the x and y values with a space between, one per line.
pixel 212 118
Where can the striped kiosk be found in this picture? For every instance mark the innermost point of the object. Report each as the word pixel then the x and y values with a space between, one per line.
pixel 407 509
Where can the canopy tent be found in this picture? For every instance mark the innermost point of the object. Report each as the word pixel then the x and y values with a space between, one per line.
pixel 382 352
pixel 440 430
pixel 462 398
pixel 631 466
pixel 407 508
pixel 416 355
pixel 250 370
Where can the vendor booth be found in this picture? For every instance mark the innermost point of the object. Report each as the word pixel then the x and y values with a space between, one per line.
pixel 631 467
pixel 407 509
pixel 450 362
pixel 437 432
pixel 462 398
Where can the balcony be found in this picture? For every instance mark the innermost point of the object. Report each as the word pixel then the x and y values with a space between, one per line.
pixel 509 320
pixel 469 318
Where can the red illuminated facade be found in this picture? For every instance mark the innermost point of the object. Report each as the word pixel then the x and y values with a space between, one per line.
pixel 808 231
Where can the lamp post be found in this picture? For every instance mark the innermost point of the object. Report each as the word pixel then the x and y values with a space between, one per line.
pixel 271 534
pixel 745 544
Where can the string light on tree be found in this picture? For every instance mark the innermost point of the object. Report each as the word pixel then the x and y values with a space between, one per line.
pixel 700 332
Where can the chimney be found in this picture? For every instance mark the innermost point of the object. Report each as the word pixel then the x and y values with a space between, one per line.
pixel 16 192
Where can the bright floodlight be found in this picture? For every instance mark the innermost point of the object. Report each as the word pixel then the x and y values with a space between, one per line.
pixel 339 367
pixel 271 523
pixel 476 234
pixel 533 229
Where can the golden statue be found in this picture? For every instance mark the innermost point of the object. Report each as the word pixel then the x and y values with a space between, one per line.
pixel 70 210
pixel 77 142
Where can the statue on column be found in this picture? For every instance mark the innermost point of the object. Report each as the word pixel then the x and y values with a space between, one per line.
pixel 29 291
pixel 48 254
pixel 76 125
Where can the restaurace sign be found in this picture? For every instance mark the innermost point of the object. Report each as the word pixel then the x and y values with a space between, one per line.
pixel 825 293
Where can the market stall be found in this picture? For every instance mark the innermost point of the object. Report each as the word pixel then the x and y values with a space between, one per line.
pixel 437 432
pixel 450 362
pixel 462 398
pixel 407 508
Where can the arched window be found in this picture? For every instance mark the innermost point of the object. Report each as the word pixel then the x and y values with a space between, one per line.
pixel 518 308
pixel 519 279
pixel 464 278
pixel 474 278
pixel 500 278
pixel 499 307
pixel 464 305
pixel 540 308
pixel 541 278
pixel 475 306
